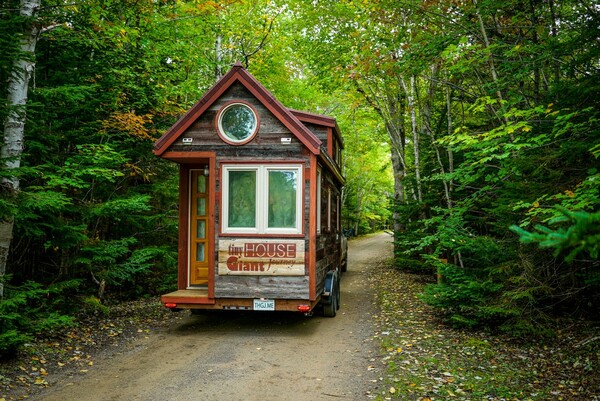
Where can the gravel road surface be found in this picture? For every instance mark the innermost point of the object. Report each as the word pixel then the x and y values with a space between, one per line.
pixel 249 356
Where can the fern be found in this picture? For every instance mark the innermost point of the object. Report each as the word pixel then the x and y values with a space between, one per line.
pixel 578 232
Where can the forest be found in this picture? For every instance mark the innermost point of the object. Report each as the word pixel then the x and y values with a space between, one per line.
pixel 471 131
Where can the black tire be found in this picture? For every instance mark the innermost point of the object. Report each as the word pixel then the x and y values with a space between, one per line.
pixel 330 309
pixel 338 296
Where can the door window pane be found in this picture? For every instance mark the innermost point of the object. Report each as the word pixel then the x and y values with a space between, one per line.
pixel 242 199
pixel 282 199
pixel 201 184
pixel 200 252
pixel 201 229
pixel 201 211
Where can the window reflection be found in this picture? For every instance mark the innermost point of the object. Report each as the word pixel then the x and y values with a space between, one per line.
pixel 201 184
pixel 242 199
pixel 200 252
pixel 238 122
pixel 282 199
pixel 201 230
pixel 201 211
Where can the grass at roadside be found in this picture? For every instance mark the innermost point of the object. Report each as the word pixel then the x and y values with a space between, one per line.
pixel 427 360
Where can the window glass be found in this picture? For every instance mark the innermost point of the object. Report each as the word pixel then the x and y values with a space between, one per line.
pixel 262 199
pixel 201 204
pixel 319 206
pixel 242 199
pixel 324 208
pixel 237 122
pixel 282 199
pixel 201 184
pixel 200 252
pixel 201 229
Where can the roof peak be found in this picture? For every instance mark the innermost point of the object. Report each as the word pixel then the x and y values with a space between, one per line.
pixel 239 74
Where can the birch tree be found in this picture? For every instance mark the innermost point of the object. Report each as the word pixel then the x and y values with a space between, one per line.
pixel 14 125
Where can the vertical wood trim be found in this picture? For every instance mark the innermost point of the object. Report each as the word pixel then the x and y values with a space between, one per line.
pixel 212 231
pixel 311 255
pixel 330 140
pixel 184 195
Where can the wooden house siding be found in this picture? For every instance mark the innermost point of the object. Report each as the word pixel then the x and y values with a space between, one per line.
pixel 328 253
pixel 278 287
pixel 319 131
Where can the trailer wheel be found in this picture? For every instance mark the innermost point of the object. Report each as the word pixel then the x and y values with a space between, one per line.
pixel 330 308
pixel 338 295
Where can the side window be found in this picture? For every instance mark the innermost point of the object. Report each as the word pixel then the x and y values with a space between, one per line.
pixel 335 213
pixel 329 209
pixel 324 213
pixel 319 201
pixel 339 212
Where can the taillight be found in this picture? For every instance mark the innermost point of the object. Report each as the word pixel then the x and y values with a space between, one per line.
pixel 304 308
pixel 171 305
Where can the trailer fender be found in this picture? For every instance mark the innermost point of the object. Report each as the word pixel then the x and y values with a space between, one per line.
pixel 331 280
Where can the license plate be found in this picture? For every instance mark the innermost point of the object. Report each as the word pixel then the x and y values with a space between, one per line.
pixel 264 304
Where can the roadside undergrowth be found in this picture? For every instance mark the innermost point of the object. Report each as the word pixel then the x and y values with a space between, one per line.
pixel 425 360
pixel 73 351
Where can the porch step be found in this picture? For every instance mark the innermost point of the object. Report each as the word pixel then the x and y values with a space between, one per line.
pixel 192 296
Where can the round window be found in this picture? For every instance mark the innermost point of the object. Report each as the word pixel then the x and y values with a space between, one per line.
pixel 237 123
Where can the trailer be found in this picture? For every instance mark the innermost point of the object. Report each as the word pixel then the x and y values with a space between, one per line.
pixel 259 202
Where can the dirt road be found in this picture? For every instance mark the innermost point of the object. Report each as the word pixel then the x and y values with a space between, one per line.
pixel 249 356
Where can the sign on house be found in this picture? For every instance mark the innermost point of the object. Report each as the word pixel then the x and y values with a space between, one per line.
pixel 261 257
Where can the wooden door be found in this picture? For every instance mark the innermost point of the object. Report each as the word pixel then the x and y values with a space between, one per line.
pixel 200 227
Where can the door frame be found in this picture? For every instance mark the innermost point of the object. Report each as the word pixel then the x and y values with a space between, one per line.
pixel 199 162
pixel 193 176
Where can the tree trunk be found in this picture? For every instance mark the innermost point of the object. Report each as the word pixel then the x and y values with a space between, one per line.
pixel 387 102
pixel 218 57
pixel 14 126
pixel 410 95
pixel 426 112
pixel 449 149
pixel 397 166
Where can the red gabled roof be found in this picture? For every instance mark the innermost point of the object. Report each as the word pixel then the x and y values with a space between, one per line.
pixel 314 118
pixel 319 119
pixel 239 74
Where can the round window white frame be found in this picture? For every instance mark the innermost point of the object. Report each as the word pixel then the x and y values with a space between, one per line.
pixel 223 135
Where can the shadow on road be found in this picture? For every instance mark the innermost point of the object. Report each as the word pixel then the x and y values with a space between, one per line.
pixel 249 322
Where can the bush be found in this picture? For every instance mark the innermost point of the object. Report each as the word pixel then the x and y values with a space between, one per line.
pixel 468 299
pixel 412 265
pixel 31 309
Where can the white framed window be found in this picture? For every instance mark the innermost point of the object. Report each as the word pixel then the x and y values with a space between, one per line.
pixel 339 213
pixel 329 211
pixel 262 199
pixel 319 200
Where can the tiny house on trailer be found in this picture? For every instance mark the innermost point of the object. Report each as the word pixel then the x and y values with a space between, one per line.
pixel 259 202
